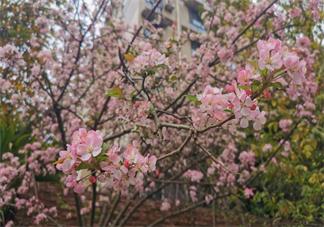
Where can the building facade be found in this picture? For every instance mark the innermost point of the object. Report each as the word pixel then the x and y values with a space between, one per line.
pixel 174 16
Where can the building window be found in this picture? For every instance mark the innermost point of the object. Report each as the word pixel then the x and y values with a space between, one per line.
pixel 194 46
pixel 147 33
pixel 195 20
pixel 151 4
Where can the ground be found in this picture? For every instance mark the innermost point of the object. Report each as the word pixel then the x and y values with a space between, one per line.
pixel 51 194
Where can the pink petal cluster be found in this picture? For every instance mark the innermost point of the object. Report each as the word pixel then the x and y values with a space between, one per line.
pixel 247 158
pixel 10 56
pixel 148 59
pixel 285 124
pixel 216 105
pixel 12 169
pixel 125 168
pixel 118 168
pixel 193 193
pixel 270 54
pixel 243 77
pixel 246 109
pixel 213 102
pixel 225 54
pixel 165 206
pixel 194 175
pixel 273 56
pixel 295 67
pixel 248 193
pixel 85 146
pixel 4 85
pixel 237 96
pixel 267 147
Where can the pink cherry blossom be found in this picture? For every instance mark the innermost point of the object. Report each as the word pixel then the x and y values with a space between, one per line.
pixel 194 175
pixel 248 193
pixel 225 54
pixel 66 161
pixel 285 124
pixel 247 158
pixel 267 147
pixel 165 206
pixel 88 144
pixel 296 68
pixel 148 58
pixel 270 54
pixel 243 77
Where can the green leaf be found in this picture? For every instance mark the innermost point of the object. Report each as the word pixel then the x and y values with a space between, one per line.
pixel 101 157
pixel 264 72
pixel 244 87
pixel 256 85
pixel 84 165
pixel 173 78
pixel 115 92
pixel 193 99
pixel 276 85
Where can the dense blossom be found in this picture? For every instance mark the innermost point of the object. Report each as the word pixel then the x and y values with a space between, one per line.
pixel 270 54
pixel 194 175
pixel 285 124
pixel 147 59
pixel 85 146
pixel 126 167
pixel 120 168
pixel 216 105
pixel 247 158
pixel 159 115
pixel 12 170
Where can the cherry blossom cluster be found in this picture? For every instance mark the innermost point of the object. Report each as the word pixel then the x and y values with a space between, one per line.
pixel 194 175
pixel 36 207
pixel 226 169
pixel 217 105
pixel 73 61
pixel 40 160
pixel 117 168
pixel 285 124
pixel 147 59
pixel 84 147
pixel 273 56
pixel 10 56
pixel 18 178
pixel 9 171
pixel 237 98
pixel 126 168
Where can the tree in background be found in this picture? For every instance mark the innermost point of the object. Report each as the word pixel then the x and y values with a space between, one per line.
pixel 126 118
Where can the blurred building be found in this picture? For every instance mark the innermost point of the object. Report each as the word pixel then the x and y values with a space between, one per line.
pixel 174 16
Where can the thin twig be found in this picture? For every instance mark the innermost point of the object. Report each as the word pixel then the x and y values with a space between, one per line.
pixel 179 149
pixel 254 21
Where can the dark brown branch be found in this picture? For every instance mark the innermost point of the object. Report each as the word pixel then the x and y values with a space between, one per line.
pixel 179 149
pixel 115 203
pixel 117 135
pixel 181 95
pixel 254 21
pixel 216 60
pixel 77 58
pixel 141 27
